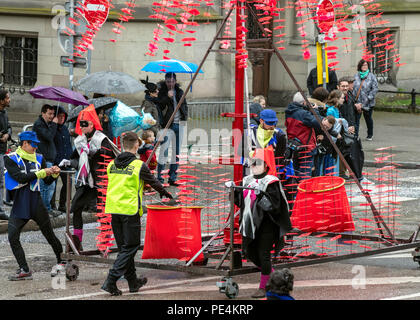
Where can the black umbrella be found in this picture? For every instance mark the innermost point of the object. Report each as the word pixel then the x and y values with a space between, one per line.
pixel 99 103
pixel 103 102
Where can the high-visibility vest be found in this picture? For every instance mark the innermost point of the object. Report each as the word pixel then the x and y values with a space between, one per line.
pixel 12 184
pixel 125 190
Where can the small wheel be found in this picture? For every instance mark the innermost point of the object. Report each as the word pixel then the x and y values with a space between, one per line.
pixel 232 291
pixel 72 272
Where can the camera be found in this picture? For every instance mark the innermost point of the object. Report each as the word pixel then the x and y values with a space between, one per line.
pixel 321 149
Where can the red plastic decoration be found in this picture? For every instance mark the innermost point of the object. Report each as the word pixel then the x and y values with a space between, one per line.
pixel 172 232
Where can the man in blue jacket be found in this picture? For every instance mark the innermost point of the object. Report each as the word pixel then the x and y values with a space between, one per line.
pixel 24 170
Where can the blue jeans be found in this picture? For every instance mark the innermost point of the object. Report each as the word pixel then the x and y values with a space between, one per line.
pixel 368 119
pixel 47 191
pixel 326 164
pixel 173 139
pixel 303 166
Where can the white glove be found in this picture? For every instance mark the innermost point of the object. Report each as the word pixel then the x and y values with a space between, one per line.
pixel 230 184
pixel 64 163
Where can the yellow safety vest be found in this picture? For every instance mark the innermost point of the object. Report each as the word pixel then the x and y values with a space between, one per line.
pixel 125 190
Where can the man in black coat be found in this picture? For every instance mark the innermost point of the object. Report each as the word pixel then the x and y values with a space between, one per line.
pixel 46 128
pixel 312 80
pixel 64 149
pixel 5 135
pixel 169 95
pixel 349 111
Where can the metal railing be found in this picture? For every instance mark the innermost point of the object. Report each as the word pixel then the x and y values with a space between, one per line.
pixel 413 105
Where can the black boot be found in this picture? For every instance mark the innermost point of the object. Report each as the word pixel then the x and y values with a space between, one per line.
pixel 4 216
pixel 134 283
pixel 110 285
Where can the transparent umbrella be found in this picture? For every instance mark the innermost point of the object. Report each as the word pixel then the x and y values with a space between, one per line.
pixel 110 82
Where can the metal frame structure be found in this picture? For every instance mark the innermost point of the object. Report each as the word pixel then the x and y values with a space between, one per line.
pixel 231 250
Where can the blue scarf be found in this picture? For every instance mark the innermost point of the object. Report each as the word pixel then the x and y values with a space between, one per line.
pixel 363 74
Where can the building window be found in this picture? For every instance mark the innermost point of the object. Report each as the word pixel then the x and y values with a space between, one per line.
pixel 19 60
pixel 382 44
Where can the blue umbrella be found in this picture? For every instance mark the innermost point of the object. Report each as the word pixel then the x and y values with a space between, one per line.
pixel 170 65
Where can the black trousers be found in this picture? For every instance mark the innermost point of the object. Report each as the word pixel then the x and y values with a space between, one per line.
pixel 127 231
pixel 82 197
pixel 62 193
pixel 15 227
pixel 259 250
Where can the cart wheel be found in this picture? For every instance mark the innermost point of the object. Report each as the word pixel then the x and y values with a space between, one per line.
pixel 416 255
pixel 228 287
pixel 72 271
pixel 232 291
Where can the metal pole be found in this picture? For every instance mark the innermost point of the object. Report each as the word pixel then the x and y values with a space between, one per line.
pixel 413 100
pixel 71 56
pixel 324 66
pixel 232 225
pixel 89 59
pixel 237 125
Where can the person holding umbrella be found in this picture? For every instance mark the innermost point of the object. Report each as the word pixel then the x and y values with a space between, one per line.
pixel 46 128
pixel 169 95
pixel 62 141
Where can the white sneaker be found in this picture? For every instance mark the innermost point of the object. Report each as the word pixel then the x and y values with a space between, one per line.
pixel 365 181
pixel 57 269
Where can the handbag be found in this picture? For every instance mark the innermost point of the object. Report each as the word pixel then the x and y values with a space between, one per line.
pixel 348 138
pixel 265 204
pixel 358 93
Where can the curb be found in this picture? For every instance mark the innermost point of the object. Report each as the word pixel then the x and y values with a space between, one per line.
pixel 400 165
pixel 57 222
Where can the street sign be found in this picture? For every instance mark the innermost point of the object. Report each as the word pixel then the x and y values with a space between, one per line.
pixel 68 27
pixel 96 11
pixel 325 16
pixel 78 62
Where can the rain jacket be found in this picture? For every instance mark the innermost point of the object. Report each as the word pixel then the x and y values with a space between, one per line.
pixel 4 128
pixel 166 104
pixel 150 106
pixel 300 123
pixel 46 134
pixel 367 95
pixel 278 215
pixel 62 140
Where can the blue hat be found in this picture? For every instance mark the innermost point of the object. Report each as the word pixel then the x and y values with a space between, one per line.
pixel 269 116
pixel 29 136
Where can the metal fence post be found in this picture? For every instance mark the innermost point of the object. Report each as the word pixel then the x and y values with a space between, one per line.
pixel 413 100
